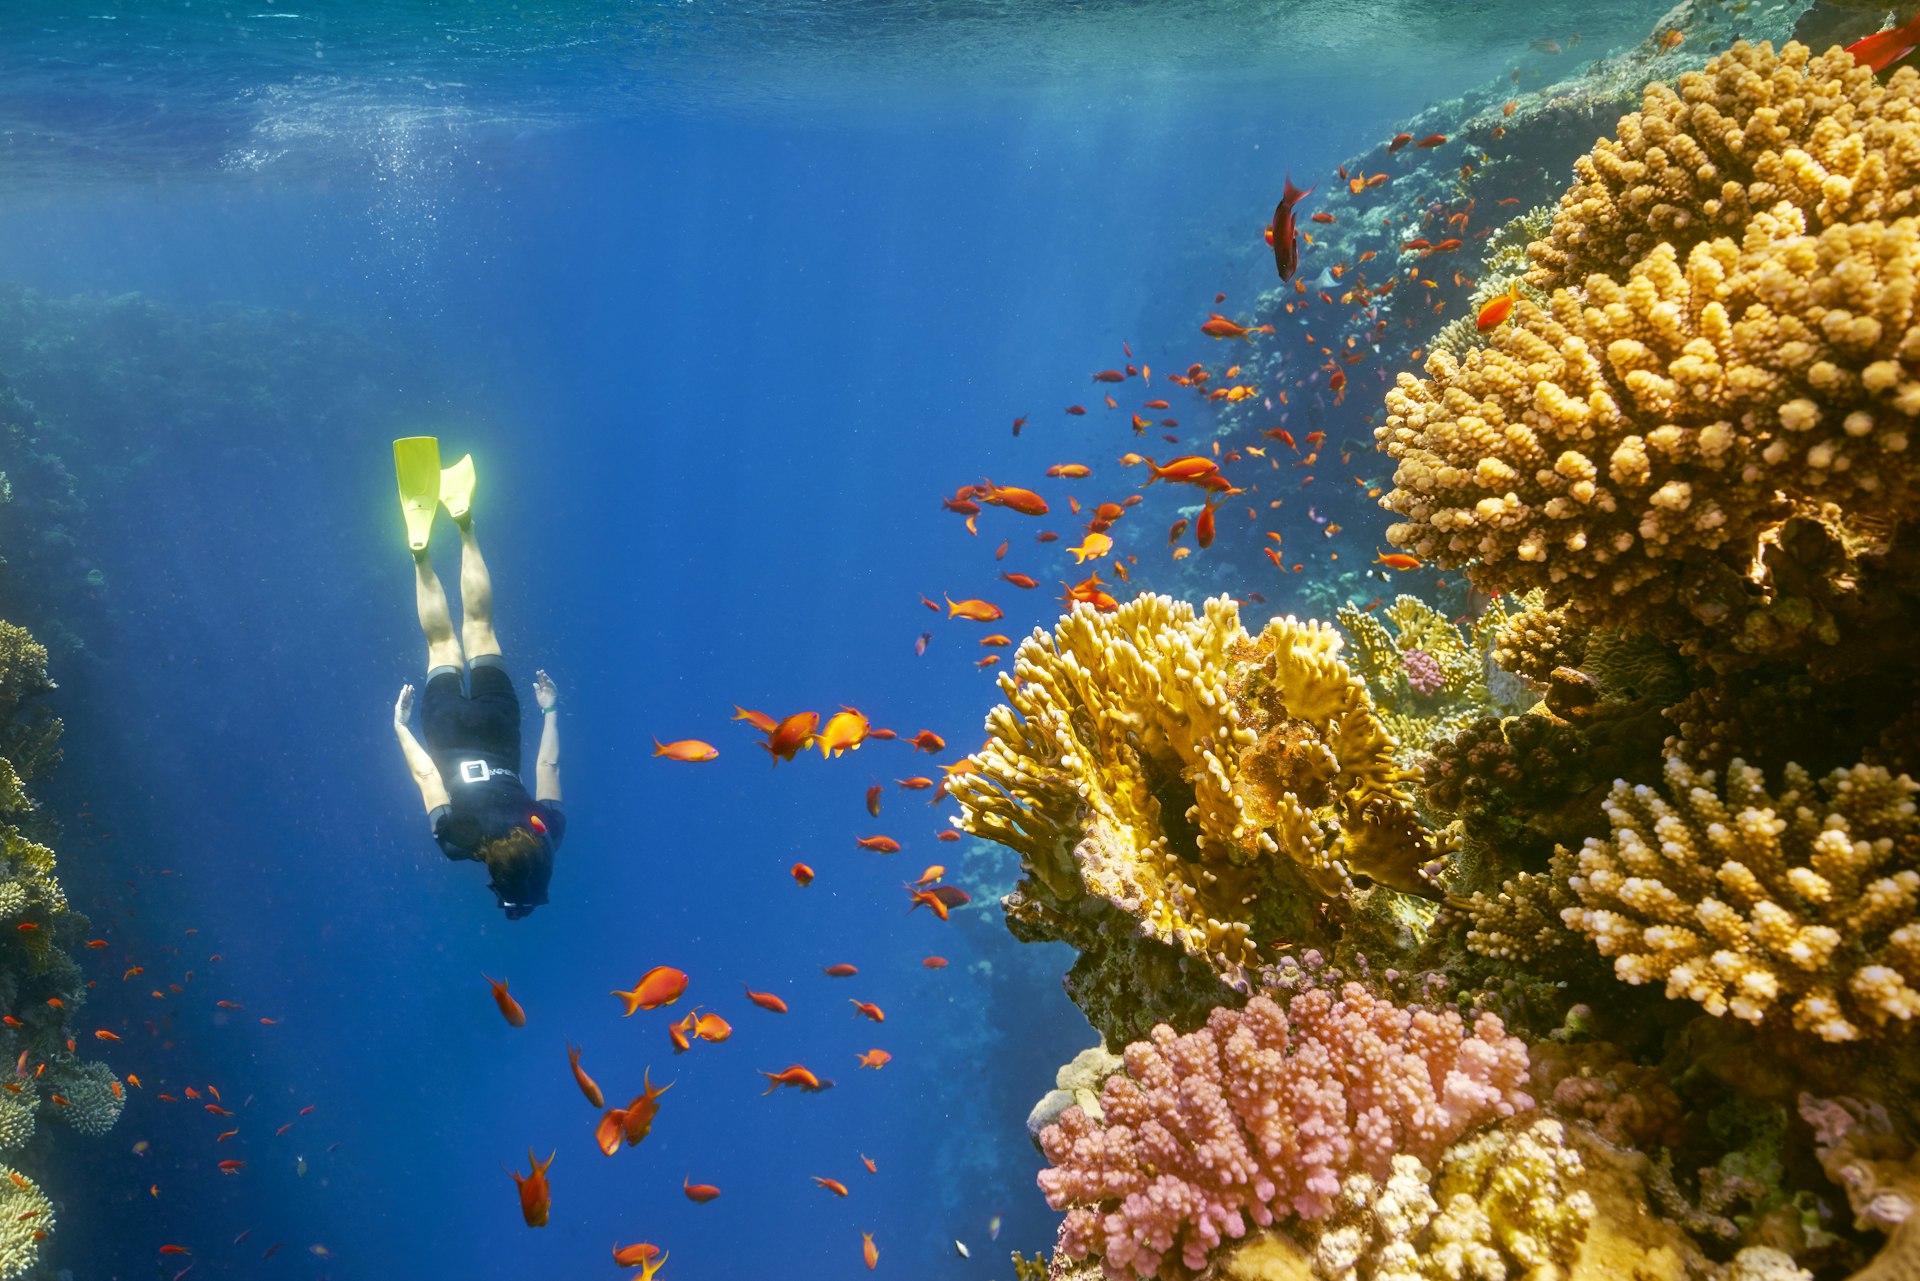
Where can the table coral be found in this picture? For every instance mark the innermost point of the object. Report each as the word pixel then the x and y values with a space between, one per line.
pixel 1750 129
pixel 1717 448
pixel 1259 1115
pixel 1798 906
pixel 1169 779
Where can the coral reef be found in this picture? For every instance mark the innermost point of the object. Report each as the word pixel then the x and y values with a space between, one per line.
pixel 26 1219
pixel 93 1094
pixel 1425 676
pixel 1181 793
pixel 1257 1117
pixel 1798 907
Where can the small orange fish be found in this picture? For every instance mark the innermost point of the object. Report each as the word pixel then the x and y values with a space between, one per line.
pixel 802 873
pixel 869 1251
pixel 104 1035
pixel 791 736
pixel 1020 580
pixel 978 611
pixel 699 1193
pixel 535 1197
pixel 1218 326
pixel 637 1120
pixel 875 1059
pixel 869 1009
pixel 839 971
pixel 832 1185
pixel 509 1008
pixel 233 1167
pixel 929 742
pixel 1070 471
pixel 1184 470
pixel 96 942
pixel 845 730
pixel 686 749
pixel 661 985
pixel 878 844
pixel 681 1033
pixel 766 1000
pixel 637 1255
pixel 795 1076
pixel 580 1078
pixel 175 1249
pixel 1431 140
pixel 1670 39
pixel 1495 313
pixel 868 1162
pixel 1203 527
pixel 1396 560
pixel 934 962
pixel 712 1028
pixel 1399 140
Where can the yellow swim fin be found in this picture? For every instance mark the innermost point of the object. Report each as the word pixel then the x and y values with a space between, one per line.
pixel 456 487
pixel 416 461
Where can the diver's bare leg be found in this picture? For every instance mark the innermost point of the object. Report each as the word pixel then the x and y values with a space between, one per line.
pixel 436 620
pixel 476 597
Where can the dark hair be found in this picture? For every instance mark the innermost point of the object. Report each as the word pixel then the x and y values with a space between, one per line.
pixel 521 863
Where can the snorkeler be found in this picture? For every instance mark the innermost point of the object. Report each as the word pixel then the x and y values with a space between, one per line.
pixel 469 770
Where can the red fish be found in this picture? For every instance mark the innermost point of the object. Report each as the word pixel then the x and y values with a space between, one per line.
pixel 1431 140
pixel 1191 468
pixel 766 1000
pixel 791 736
pixel 700 1193
pixel 795 1076
pixel 832 1185
pixel 509 1008
pixel 661 985
pixel 535 1197
pixel 802 873
pixel 840 971
pixel 873 801
pixel 929 742
pixel 1203 527
pixel 934 962
pixel 1399 140
pixel 878 844
pixel 1024 501
pixel 1283 232
pixel 1218 326
pixel 580 1077
pixel 637 1122
pixel 1882 49
pixel 869 1009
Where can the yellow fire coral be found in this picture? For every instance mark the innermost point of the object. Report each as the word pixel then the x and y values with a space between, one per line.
pixel 1173 766
pixel 1802 906
pixel 1750 129
pixel 1718 448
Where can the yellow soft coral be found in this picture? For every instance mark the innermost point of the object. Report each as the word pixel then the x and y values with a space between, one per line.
pixel 1648 451
pixel 1750 129
pixel 1802 906
pixel 1178 768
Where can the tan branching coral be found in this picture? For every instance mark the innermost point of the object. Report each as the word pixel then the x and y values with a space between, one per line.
pixel 1718 448
pixel 1801 906
pixel 1169 764
pixel 1750 129
pixel 26 1219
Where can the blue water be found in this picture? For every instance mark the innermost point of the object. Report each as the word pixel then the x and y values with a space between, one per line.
pixel 723 299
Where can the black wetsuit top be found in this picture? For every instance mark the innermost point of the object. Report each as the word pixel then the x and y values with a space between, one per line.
pixel 474 739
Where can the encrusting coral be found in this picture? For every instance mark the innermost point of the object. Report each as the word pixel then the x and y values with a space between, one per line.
pixel 1259 1115
pixel 1170 780
pixel 1797 906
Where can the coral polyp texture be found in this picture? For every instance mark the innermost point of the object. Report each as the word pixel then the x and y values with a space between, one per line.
pixel 1259 1116
pixel 1171 781
pixel 1750 129
pixel 26 1219
pixel 1426 676
pixel 1715 447
pixel 1795 907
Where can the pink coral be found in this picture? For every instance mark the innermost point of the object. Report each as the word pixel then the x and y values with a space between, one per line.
pixel 1259 1115
pixel 1423 673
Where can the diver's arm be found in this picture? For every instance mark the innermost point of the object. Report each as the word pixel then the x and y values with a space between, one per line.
pixel 426 775
pixel 546 766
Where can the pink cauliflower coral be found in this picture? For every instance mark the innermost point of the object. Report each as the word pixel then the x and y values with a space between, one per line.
pixel 1423 673
pixel 1259 1115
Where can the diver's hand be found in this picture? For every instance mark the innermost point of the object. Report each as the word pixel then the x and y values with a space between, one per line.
pixel 543 691
pixel 403 705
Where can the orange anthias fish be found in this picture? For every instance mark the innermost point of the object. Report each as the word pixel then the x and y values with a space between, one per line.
pixel 1203 527
pixel 796 1076
pixel 1218 326
pixel 840 971
pixel 766 1000
pixel 874 1059
pixel 869 1251
pixel 929 742
pixel 1070 471
pixel 686 749
pixel 535 1196
pixel 1091 547
pixel 1283 234
pixel 1186 470
pixel 791 736
pixel 845 730
pixel 1399 140
pixel 1396 560
pixel 878 844
pixel 1431 140
pixel 927 898
pixel 978 611
pixel 1885 48
pixel 832 1185
pixel 712 1029
pixel 869 1009
pixel 1020 580
pixel 509 1008
pixel 1495 313
pixel 699 1193
pixel 1024 501
pixel 642 1255
pixel 661 985
pixel 580 1077
pixel 681 1033
pixel 637 1120
pixel 802 873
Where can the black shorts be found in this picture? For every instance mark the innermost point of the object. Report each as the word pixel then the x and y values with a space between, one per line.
pixel 482 723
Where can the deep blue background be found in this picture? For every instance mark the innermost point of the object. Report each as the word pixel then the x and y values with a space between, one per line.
pixel 716 369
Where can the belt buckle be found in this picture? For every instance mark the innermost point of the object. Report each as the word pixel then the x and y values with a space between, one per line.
pixel 473 771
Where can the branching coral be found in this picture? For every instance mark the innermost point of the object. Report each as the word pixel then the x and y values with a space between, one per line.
pixel 26 1219
pixel 1425 675
pixel 1750 129
pixel 1798 906
pixel 94 1095
pixel 1259 1115
pixel 1716 448
pixel 1195 779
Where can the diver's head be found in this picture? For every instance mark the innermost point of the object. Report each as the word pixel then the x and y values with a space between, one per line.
pixel 521 863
